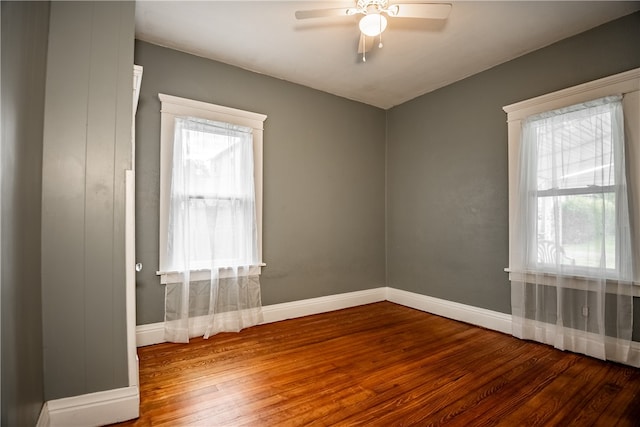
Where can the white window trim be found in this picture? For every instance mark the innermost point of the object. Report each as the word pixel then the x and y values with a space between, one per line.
pixel 627 84
pixel 172 107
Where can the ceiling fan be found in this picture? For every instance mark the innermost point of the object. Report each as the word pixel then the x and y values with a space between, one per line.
pixel 374 19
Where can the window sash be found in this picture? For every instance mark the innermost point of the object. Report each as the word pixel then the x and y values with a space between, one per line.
pixel 535 262
pixel 567 254
pixel 228 251
pixel 596 251
pixel 205 233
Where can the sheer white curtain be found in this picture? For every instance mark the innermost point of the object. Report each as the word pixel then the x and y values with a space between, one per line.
pixel 571 251
pixel 212 232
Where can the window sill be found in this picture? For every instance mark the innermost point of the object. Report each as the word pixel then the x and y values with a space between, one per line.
pixel 167 277
pixel 571 281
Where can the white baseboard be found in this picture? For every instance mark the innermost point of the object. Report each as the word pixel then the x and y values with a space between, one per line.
pixel 153 333
pixel 307 307
pixel 149 334
pixel 93 409
pixel 488 319
pixel 634 355
pixel 43 419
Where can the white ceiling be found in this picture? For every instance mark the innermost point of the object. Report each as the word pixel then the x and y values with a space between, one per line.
pixel 418 56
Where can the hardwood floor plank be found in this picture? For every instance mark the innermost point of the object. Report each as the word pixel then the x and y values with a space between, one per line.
pixel 618 412
pixel 441 397
pixel 487 395
pixel 379 365
pixel 549 400
pixel 433 380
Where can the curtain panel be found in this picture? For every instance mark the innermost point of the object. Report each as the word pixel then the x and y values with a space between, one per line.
pixel 571 256
pixel 212 229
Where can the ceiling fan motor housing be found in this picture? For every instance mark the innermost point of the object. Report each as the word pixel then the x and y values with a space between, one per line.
pixel 372 6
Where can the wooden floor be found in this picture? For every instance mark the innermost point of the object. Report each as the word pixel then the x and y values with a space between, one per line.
pixel 379 365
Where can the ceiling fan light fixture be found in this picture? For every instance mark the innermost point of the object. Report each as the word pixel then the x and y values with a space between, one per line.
pixel 373 24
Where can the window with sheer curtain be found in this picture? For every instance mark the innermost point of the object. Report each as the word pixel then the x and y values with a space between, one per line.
pixel 210 218
pixel 575 187
pixel 574 166
pixel 213 184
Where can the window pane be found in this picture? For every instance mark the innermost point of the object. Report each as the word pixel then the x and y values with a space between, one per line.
pixel 213 164
pixel 213 196
pixel 574 151
pixel 575 181
pixel 577 230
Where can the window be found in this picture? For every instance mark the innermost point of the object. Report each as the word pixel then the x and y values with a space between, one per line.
pixel 573 195
pixel 567 181
pixel 573 183
pixel 211 174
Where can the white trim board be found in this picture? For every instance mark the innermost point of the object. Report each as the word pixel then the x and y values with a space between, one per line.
pixel 93 409
pixel 622 83
pixel 307 307
pixel 43 419
pixel 484 318
pixel 149 334
pixel 153 333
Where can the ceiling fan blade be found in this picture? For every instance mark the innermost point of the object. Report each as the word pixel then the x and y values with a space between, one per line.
pixel 365 44
pixel 322 13
pixel 420 10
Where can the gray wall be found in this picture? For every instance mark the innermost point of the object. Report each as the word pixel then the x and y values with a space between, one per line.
pixel 447 166
pixel 87 148
pixel 323 178
pixel 24 53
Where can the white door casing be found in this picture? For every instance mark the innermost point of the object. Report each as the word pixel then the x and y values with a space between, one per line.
pixel 130 242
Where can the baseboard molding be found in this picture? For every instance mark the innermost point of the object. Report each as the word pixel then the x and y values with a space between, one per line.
pixel 634 355
pixel 43 419
pixel 308 307
pixel 149 334
pixel 493 320
pixel 488 319
pixel 93 409
pixel 153 333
